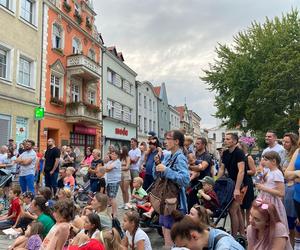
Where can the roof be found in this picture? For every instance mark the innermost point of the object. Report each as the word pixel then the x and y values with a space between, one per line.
pixel 180 110
pixel 157 91
pixel 113 50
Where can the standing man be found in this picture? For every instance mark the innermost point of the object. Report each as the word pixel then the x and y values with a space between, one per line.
pixel 69 157
pixel 51 165
pixel 271 141
pixel 27 162
pixel 135 155
pixel 203 165
pixel 233 160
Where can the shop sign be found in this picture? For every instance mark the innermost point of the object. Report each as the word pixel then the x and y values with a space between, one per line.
pixel 84 130
pixel 39 113
pixel 121 131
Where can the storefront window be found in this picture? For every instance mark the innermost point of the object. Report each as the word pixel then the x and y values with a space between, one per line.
pixel 21 129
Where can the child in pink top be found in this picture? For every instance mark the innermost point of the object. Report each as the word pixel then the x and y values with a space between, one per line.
pixel 272 188
pixel 266 231
pixel 69 180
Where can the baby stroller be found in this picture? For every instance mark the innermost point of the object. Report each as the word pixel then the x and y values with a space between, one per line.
pixel 224 188
pixel 82 194
pixel 6 177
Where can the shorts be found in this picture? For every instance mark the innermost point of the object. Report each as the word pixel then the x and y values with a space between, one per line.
pixel 292 224
pixel 126 175
pixel 166 221
pixel 134 173
pixel 112 190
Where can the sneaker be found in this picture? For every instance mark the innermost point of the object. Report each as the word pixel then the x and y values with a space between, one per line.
pixel 148 215
pixel 121 206
pixel 126 207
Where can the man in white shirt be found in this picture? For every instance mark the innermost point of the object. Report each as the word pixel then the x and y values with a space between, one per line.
pixel 3 154
pixel 271 140
pixel 135 155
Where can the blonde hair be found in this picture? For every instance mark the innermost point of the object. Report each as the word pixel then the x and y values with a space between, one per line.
pixel 139 180
pixel 111 239
pixel 71 169
pixel 66 192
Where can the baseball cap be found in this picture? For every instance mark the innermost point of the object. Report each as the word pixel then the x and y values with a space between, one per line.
pixel 151 133
pixel 209 180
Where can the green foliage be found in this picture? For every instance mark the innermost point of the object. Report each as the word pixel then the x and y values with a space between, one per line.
pixel 258 76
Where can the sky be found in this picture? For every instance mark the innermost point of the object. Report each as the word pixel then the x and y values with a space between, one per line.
pixel 172 41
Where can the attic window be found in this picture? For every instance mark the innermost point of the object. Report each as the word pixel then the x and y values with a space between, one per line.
pixel 147 89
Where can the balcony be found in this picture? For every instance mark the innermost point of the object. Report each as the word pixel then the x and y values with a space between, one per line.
pixel 81 112
pixel 81 65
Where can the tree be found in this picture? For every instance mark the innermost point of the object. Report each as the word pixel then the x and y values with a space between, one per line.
pixel 258 76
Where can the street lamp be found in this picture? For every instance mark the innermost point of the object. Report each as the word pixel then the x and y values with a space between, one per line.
pixel 244 124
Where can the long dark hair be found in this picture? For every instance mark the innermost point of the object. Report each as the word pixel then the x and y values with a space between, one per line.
pixel 134 217
pixel 124 153
pixel 94 219
pixel 41 203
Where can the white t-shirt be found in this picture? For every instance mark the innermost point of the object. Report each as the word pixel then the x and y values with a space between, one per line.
pixel 2 158
pixel 134 154
pixel 28 169
pixel 277 148
pixel 139 235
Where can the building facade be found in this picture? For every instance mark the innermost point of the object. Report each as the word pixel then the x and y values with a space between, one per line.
pixel 163 110
pixel 174 123
pixel 119 101
pixel 20 76
pixel 185 120
pixel 71 75
pixel 147 118
pixel 195 119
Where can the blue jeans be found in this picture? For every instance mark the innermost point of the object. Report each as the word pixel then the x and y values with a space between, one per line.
pixel 27 183
pixel 94 185
pixel 51 180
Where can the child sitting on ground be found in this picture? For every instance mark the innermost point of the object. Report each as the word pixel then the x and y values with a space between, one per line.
pixel 47 194
pixel 69 180
pixel 208 196
pixel 32 239
pixel 138 193
pixel 9 219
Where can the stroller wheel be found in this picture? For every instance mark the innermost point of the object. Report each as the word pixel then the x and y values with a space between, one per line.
pixel 159 231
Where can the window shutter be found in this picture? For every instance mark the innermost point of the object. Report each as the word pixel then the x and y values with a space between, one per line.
pixel 4 129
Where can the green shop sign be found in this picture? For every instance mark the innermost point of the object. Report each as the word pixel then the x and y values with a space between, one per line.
pixel 39 113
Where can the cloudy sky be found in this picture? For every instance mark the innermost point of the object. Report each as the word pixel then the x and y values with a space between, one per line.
pixel 172 41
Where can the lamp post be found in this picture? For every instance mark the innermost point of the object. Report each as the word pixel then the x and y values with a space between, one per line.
pixel 244 125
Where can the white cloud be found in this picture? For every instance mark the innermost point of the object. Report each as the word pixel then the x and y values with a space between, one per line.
pixel 172 41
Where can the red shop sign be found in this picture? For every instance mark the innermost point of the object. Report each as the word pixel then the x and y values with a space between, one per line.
pixel 84 130
pixel 121 131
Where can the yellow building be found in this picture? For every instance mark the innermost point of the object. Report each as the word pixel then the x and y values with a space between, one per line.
pixel 20 68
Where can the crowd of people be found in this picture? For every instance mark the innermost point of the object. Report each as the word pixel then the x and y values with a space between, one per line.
pixel 175 180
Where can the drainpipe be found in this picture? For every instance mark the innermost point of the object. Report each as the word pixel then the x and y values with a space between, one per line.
pixel 136 110
pixel 101 101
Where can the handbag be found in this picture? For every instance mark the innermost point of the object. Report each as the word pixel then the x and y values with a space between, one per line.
pixel 164 195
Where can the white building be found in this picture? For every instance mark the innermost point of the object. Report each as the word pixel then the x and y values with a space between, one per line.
pixel 119 100
pixel 174 118
pixel 147 110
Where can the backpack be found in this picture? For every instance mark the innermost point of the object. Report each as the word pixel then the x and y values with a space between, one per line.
pixel 240 239
pixel 164 195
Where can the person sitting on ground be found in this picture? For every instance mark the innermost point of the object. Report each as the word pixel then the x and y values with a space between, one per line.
pixel 99 204
pixel 138 193
pixel 32 239
pixel 91 229
pixel 135 237
pixel 47 194
pixel 69 180
pixel 64 212
pixel 62 175
pixel 9 219
pixel 194 236
pixel 199 215
pixel 64 194
pixel 208 196
pixel 23 220
pixel 266 231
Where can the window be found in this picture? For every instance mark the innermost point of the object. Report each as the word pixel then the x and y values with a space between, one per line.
pixel 76 45
pixel 92 97
pixel 3 63
pixel 145 102
pixel 150 104
pixel 57 34
pixel 154 125
pixel 123 83
pixel 25 67
pixel 77 9
pixel 5 128
pixel 162 114
pixel 55 87
pixel 21 129
pixel 111 76
pixel 165 115
pixel 75 93
pixel 110 108
pixel 27 10
pixel 154 109
pixel 5 3
pixel 145 125
pixel 92 54
pixel 140 99
pixel 139 123
pixel 150 125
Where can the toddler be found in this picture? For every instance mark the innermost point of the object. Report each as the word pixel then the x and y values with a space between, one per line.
pixel 69 180
pixel 193 162
pixel 138 193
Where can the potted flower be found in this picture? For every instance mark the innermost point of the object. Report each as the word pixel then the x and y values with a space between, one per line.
pixel 66 6
pixel 92 108
pixel 78 17
pixel 73 105
pixel 56 101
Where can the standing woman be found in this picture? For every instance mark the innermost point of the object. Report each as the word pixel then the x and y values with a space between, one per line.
pixel 291 166
pixel 125 176
pixel 87 160
pixel 175 168
pixel 250 171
